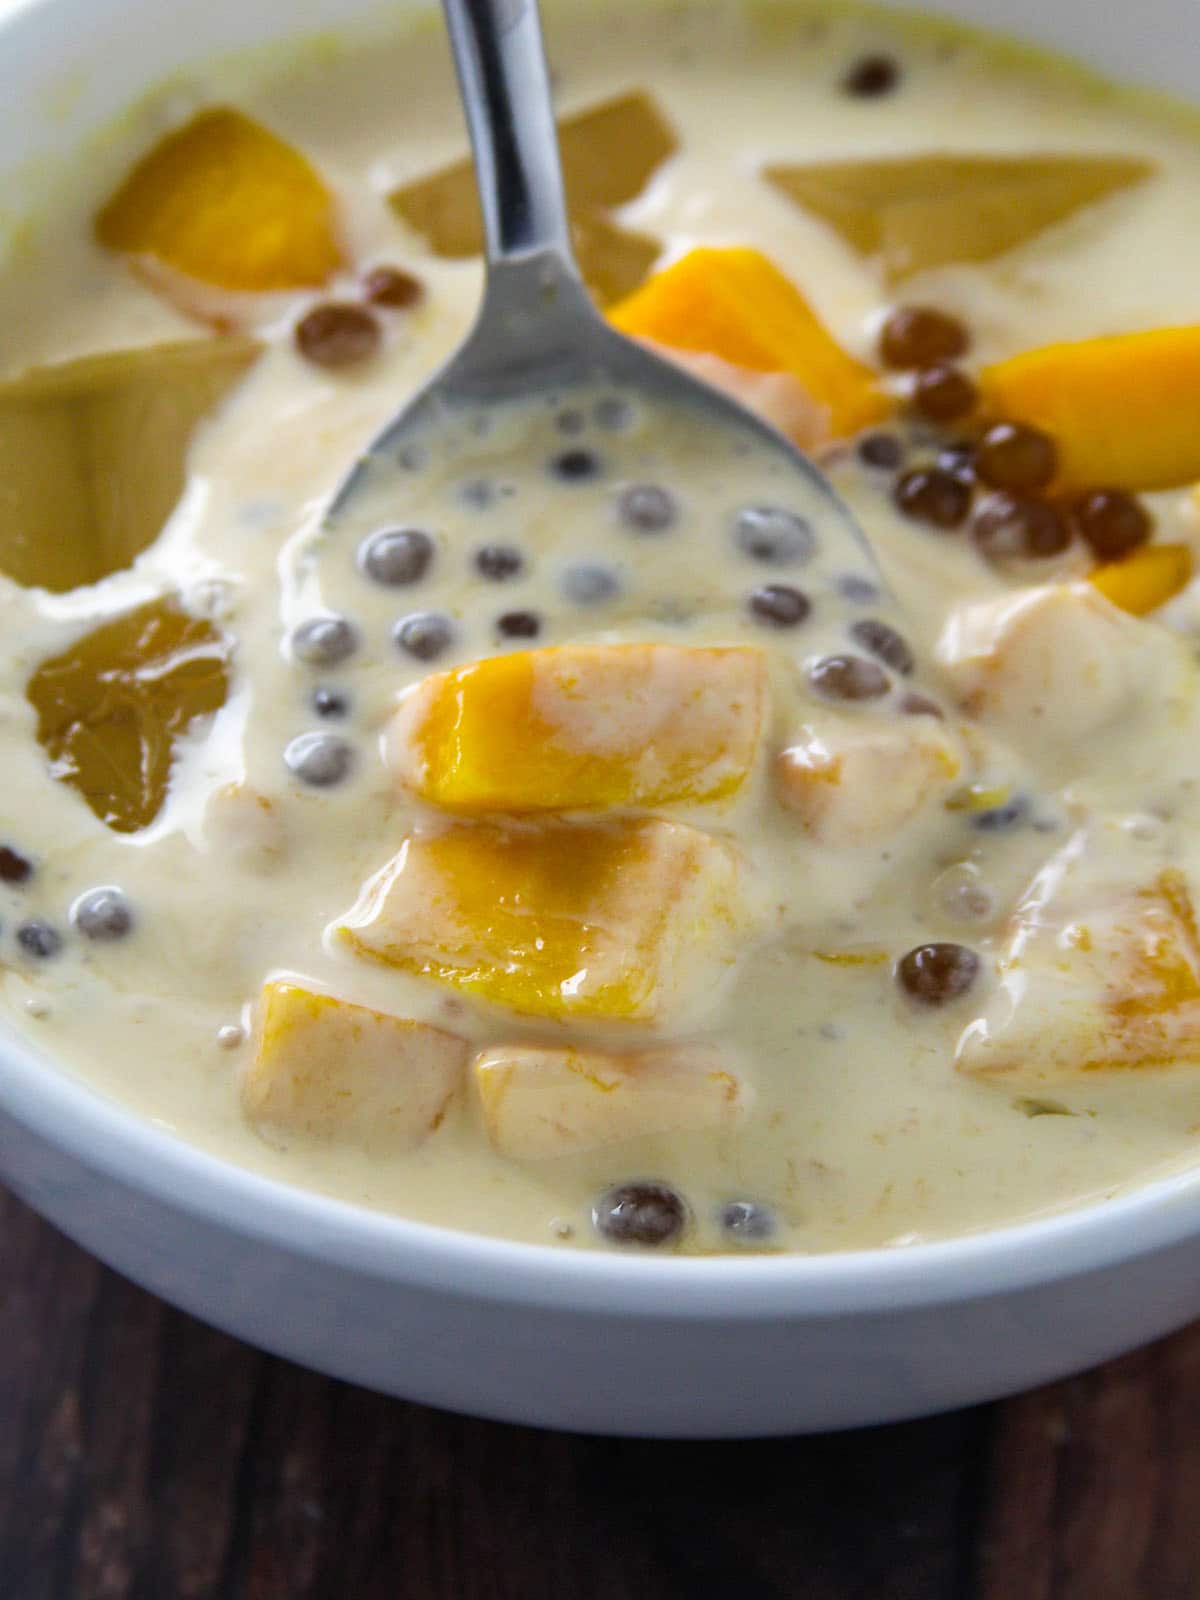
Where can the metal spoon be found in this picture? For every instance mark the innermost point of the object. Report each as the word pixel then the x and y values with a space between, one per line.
pixel 537 332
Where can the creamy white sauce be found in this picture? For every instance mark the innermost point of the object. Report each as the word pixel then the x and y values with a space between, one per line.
pixel 863 1130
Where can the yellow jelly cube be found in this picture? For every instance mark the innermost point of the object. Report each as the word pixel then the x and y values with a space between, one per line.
pixel 1145 580
pixel 326 1069
pixel 1124 410
pixel 540 1101
pixel 223 201
pixel 626 921
pixel 582 727
pixel 736 304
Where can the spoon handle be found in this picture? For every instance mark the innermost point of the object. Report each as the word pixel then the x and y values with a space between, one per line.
pixel 505 87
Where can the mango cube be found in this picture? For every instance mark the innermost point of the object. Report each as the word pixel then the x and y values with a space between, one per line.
pixel 93 454
pixel 539 1102
pixel 609 152
pixel 1089 984
pixel 1124 409
pixel 736 304
pixel 582 727
pixel 857 782
pixel 1141 582
pixel 325 1069
pixel 629 921
pixel 223 201
pixel 923 211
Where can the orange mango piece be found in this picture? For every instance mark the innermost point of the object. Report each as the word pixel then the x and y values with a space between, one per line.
pixel 1147 579
pixel 224 201
pixel 620 921
pixel 582 727
pixel 1124 409
pixel 736 304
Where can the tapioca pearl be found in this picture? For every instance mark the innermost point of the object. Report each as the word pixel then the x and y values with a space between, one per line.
pixel 958 459
pixel 884 642
pixel 614 413
pixel 937 974
pixel 933 496
pixel 330 703
pixel 424 635
pixel 647 508
pixel 396 557
pixel 392 288
pixel 960 895
pixel 871 77
pixel 499 562
pixel 747 1222
pixel 319 759
pixel 858 590
pixel 39 939
pixel 848 677
pixel 576 466
pixel 1013 456
pixel 648 1213
pixel 14 867
pixel 103 915
pixel 1111 522
pixel 519 625
pixel 336 335
pixel 778 605
pixel 1000 819
pixel 943 393
pixel 919 336
pixel 324 641
pixel 773 535
pixel 589 584
pixel 231 1036
pixel 478 494
pixel 920 705
pixel 1011 527
pixel 570 422
pixel 882 450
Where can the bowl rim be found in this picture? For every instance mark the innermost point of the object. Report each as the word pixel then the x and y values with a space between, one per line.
pixel 138 1154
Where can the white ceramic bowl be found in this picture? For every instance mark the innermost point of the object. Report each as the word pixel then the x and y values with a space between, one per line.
pixel 608 1343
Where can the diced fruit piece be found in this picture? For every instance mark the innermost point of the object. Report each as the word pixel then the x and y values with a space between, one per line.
pixel 539 1101
pixel 582 727
pixel 855 782
pixel 921 211
pixel 1056 662
pixel 110 708
pixel 1147 579
pixel 608 154
pixel 736 304
pixel 1123 410
pixel 1092 980
pixel 326 1069
pixel 223 201
pixel 625 921
pixel 93 454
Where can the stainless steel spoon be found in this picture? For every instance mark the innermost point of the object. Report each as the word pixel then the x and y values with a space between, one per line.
pixel 537 332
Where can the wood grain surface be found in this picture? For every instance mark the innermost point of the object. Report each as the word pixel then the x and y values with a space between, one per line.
pixel 145 1457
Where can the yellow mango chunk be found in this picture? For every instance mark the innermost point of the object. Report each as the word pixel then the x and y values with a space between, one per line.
pixel 539 1102
pixel 110 708
pixel 608 154
pixel 1124 410
pixel 736 304
pixel 325 1069
pixel 915 212
pixel 623 921
pixel 1145 580
pixel 1092 982
pixel 582 727
pixel 223 201
pixel 853 782
pixel 93 454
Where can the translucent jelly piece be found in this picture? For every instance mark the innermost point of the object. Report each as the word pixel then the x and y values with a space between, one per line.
pixel 925 211
pixel 223 201
pixel 93 454
pixel 608 155
pixel 110 708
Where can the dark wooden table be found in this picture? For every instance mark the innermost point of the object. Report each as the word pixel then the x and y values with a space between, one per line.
pixel 145 1457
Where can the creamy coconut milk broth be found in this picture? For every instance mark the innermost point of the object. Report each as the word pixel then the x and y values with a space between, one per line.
pixel 859 1115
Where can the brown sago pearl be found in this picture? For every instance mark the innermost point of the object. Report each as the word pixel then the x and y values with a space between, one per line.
pixel 884 642
pixel 920 705
pixel 1111 522
pixel 880 450
pixel 848 677
pixel 918 336
pixel 1012 456
pixel 392 287
pixel 335 335
pixel 943 393
pixel 935 974
pixel 871 76
pixel 1011 527
pixel 779 605
pixel 932 495
pixel 14 867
